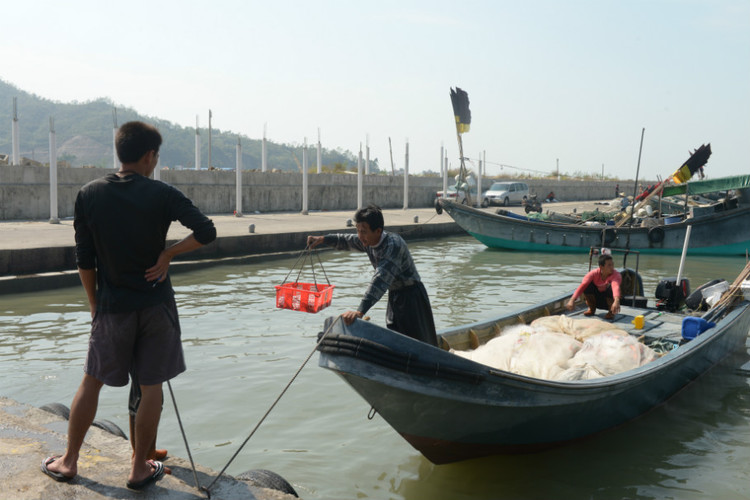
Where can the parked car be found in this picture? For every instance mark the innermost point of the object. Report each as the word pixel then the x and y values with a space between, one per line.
pixel 453 194
pixel 505 193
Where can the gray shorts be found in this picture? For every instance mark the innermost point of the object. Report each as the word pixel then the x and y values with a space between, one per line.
pixel 148 340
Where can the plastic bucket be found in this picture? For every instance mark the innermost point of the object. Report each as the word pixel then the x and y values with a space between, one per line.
pixel 692 326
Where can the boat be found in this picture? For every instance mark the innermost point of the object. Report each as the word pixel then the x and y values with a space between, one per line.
pixel 722 229
pixel 450 408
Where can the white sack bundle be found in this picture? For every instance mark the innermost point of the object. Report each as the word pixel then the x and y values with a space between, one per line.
pixel 607 354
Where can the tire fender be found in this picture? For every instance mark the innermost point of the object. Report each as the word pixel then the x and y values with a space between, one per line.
pixel 656 234
pixel 608 235
pixel 267 479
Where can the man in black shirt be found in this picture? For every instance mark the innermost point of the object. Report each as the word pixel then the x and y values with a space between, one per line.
pixel 121 223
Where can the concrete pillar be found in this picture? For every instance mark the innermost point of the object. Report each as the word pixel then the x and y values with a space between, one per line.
pixel 197 145
pixel 479 183
pixel 14 136
pixel 444 169
pixel 406 177
pixel 359 178
pixel 320 155
pixel 115 160
pixel 304 179
pixel 445 177
pixel 367 154
pixel 52 173
pixel 238 180
pixel 263 151
pixel 157 170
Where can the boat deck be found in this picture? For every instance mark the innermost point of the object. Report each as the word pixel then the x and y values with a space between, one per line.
pixel 661 330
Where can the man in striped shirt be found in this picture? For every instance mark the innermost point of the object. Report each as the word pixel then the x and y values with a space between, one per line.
pixel 409 310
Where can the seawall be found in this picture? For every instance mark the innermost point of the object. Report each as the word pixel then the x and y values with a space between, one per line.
pixel 25 190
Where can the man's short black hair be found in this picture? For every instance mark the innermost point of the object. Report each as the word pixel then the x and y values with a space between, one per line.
pixel 135 139
pixel 603 258
pixel 372 215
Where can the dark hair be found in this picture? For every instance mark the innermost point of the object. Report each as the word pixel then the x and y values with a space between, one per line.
pixel 603 258
pixel 135 139
pixel 372 215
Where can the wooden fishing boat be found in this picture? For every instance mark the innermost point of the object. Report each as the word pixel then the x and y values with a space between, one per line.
pixel 718 233
pixel 450 408
pixel 725 231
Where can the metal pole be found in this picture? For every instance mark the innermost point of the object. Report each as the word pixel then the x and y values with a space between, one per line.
pixel 637 173
pixel 359 178
pixel 197 144
pixel 406 176
pixel 52 173
pixel 15 140
pixel 304 178
pixel 238 180
pixel 684 253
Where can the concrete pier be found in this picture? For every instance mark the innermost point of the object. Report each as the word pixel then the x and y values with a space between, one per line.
pixel 28 435
pixel 38 255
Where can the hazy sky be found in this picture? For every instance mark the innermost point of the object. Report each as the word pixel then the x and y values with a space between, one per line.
pixel 574 80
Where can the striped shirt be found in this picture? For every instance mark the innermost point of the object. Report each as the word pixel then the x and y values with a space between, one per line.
pixel 394 267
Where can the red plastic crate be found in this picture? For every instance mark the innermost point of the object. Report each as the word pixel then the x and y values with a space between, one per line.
pixel 305 297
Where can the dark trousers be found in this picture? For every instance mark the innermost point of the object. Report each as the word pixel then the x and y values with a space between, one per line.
pixel 409 312
pixel 596 299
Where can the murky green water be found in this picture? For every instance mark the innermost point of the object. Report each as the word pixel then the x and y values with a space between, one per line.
pixel 241 352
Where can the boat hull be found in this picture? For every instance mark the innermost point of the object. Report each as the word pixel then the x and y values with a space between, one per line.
pixel 450 408
pixel 721 233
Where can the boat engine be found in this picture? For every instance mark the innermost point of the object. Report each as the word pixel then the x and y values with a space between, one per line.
pixel 670 295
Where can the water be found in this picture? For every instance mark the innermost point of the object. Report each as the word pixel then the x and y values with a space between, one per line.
pixel 241 352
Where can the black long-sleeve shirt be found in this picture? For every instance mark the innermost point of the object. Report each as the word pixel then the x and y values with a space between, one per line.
pixel 121 228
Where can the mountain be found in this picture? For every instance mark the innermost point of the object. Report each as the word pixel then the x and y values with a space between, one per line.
pixel 83 133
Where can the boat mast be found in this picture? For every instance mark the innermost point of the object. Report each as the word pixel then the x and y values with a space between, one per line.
pixel 462 115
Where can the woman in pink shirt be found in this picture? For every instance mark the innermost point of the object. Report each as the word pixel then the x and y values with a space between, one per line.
pixel 600 288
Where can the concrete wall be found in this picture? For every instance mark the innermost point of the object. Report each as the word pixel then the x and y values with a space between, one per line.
pixel 24 191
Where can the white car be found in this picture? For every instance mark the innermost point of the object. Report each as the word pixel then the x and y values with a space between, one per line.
pixel 505 193
pixel 460 197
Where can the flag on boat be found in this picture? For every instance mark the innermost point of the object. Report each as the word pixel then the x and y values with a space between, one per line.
pixel 460 100
pixel 693 164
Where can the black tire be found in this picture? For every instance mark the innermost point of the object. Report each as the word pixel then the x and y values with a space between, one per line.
pixel 506 202
pixel 608 235
pixel 110 427
pixel 528 208
pixel 485 203
pixel 656 234
pixel 58 409
pixel 438 206
pixel 267 479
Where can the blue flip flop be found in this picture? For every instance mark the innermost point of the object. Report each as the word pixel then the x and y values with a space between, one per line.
pixel 57 476
pixel 157 474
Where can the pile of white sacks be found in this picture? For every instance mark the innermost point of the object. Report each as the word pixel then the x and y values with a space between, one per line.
pixel 563 348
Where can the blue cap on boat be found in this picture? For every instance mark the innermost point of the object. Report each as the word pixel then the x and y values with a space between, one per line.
pixel 692 326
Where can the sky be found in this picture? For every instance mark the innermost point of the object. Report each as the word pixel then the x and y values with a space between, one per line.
pixel 568 84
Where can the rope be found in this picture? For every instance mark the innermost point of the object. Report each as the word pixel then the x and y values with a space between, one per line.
pixel 184 438
pixel 207 488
